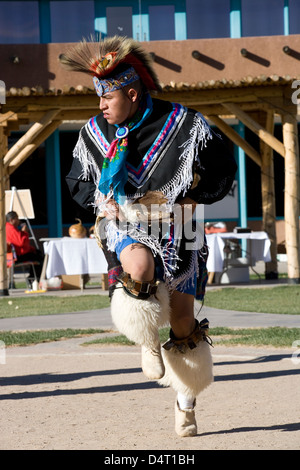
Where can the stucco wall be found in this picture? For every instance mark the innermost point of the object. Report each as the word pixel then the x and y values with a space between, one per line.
pixel 221 58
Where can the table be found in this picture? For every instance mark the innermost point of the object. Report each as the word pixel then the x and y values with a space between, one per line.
pixel 258 249
pixel 73 256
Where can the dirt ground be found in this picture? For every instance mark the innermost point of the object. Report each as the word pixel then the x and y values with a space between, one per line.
pixel 67 396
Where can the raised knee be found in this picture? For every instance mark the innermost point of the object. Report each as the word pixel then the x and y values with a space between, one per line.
pixel 142 272
pixel 138 261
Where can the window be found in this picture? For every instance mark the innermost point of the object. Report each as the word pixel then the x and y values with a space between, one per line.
pixel 70 209
pixel 208 18
pixel 32 175
pixel 119 21
pixel 19 23
pixel 71 21
pixel 294 16
pixel 162 22
pixel 262 17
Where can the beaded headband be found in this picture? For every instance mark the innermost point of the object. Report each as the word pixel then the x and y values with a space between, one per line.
pixel 120 80
pixel 101 59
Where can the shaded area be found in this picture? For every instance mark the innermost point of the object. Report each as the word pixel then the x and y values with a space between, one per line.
pixel 208 60
pixel 80 391
pixel 257 360
pixel 57 378
pixel 291 52
pixel 289 427
pixel 167 63
pixel 256 375
pixel 255 58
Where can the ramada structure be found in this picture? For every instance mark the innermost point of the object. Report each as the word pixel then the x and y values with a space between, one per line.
pixel 254 81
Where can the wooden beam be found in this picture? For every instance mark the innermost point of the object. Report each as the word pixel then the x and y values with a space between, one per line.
pixel 10 122
pixel 196 97
pixel 3 268
pixel 4 118
pixel 219 109
pixel 30 135
pixel 236 138
pixel 255 127
pixel 291 196
pixel 222 95
pixel 30 148
pixel 268 194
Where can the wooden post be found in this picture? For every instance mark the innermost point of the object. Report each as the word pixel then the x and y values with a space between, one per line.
pixel 291 196
pixel 32 133
pixel 3 268
pixel 32 146
pixel 255 127
pixel 268 197
pixel 236 138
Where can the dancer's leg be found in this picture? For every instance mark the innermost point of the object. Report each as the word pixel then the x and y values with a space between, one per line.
pixel 139 315
pixel 188 363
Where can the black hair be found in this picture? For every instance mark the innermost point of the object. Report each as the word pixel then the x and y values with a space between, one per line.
pixel 11 215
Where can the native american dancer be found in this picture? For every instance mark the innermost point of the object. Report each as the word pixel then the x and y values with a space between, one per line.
pixel 142 164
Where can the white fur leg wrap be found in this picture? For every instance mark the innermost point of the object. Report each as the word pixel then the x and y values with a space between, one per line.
pixel 140 319
pixel 188 373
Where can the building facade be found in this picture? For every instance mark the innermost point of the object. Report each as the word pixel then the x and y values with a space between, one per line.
pixel 32 33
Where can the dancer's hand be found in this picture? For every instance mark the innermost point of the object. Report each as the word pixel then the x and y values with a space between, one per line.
pixel 112 210
pixel 188 207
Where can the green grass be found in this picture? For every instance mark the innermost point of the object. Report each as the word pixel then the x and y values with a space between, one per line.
pixel 272 337
pixel 280 299
pixel 275 337
pixel 120 340
pixel 50 304
pixel 26 338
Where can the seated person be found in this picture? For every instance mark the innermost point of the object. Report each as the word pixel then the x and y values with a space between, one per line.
pixel 18 236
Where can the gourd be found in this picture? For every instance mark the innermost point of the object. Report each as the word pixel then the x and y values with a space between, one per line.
pixel 77 230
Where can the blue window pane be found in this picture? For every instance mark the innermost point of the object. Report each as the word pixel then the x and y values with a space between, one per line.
pixel 19 23
pixel 71 21
pixel 162 22
pixel 119 21
pixel 294 16
pixel 262 17
pixel 208 19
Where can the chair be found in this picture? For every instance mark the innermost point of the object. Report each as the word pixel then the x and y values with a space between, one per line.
pixel 13 264
pixel 235 258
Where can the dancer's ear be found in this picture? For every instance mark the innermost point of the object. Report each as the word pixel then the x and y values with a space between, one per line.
pixel 132 95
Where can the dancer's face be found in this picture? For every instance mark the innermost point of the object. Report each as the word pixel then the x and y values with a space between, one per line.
pixel 119 106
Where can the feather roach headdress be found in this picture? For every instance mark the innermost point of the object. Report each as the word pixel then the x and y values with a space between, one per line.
pixel 100 59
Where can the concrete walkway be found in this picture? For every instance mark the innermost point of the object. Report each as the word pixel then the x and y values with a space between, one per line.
pixel 102 319
pixel 65 395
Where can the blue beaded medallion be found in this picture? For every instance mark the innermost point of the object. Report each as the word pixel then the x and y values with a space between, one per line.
pixel 122 132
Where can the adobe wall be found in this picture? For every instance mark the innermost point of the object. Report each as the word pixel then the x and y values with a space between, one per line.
pixel 219 58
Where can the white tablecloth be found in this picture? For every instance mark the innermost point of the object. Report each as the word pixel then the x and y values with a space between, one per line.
pixel 74 256
pixel 259 248
pixel 83 256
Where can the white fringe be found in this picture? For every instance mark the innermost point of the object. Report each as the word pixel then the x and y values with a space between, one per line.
pixel 90 169
pixel 167 253
pixel 200 133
